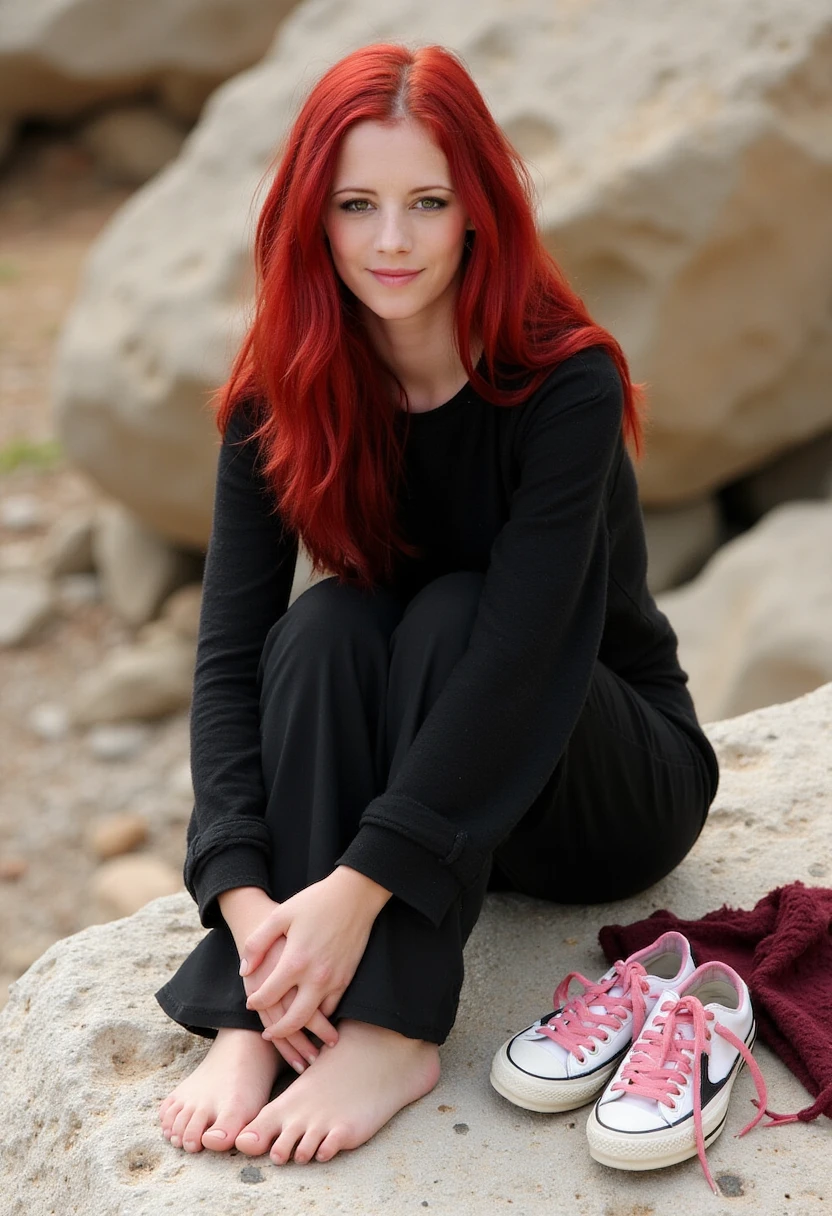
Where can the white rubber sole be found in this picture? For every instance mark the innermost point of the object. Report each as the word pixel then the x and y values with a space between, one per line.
pixel 655 1150
pixel 540 1094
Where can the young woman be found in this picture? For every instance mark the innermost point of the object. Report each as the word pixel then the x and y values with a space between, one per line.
pixel 482 688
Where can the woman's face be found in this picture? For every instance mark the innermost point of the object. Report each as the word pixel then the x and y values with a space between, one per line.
pixel 393 208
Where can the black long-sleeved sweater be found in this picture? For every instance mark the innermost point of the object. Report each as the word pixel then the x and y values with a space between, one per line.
pixel 540 497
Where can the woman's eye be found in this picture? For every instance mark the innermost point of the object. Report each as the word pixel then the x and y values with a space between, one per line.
pixel 359 206
pixel 352 204
pixel 436 204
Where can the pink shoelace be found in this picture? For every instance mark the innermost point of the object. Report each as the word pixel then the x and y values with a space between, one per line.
pixel 663 1060
pixel 577 1025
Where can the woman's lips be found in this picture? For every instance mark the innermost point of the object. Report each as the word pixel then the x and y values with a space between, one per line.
pixel 394 278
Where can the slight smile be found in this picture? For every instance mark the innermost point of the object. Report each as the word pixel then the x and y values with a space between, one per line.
pixel 395 278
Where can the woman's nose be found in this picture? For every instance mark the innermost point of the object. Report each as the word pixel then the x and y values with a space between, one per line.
pixel 392 235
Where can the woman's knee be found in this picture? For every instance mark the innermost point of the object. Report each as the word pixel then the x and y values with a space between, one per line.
pixel 442 612
pixel 331 618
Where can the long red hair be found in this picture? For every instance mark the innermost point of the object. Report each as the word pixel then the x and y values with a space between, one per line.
pixel 327 431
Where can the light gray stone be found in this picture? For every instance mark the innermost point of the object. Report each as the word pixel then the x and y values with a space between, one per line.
pixel 115 834
pixel 679 541
pixel 76 591
pixel 26 606
pixel 49 721
pixel 59 56
pixel 138 568
pixel 132 143
pixel 117 741
pixel 142 682
pixel 21 512
pixel 88 1054
pixel 69 544
pixel 181 610
pixel 754 627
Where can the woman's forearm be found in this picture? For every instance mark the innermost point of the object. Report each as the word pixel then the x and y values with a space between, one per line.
pixel 243 909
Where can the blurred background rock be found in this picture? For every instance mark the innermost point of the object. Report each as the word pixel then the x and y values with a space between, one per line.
pixel 683 156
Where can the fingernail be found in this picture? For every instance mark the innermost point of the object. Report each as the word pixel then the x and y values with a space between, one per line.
pixel 297 1065
pixel 243 966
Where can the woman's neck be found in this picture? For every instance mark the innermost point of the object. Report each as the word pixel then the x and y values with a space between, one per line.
pixel 423 357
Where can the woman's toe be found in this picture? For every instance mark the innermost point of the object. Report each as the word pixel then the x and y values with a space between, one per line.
pixel 309 1145
pixel 179 1124
pixel 285 1143
pixel 332 1144
pixel 225 1129
pixel 192 1135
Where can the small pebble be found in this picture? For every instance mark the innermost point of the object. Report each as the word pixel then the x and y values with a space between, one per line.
pixel 78 590
pixel 21 512
pixel 117 741
pixel 117 834
pixel 181 782
pixel 461 1129
pixel 49 721
pixel 12 868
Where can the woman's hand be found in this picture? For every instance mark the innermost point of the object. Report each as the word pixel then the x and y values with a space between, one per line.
pixel 326 927
pixel 296 1049
pixel 244 909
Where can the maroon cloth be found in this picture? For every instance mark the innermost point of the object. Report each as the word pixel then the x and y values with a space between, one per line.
pixel 782 948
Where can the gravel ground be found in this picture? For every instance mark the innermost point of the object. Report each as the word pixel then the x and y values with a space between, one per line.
pixel 53 204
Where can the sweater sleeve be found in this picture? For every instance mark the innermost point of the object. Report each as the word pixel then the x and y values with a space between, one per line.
pixel 494 735
pixel 249 570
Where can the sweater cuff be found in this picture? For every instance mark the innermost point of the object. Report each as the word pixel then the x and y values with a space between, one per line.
pixel 413 873
pixel 241 865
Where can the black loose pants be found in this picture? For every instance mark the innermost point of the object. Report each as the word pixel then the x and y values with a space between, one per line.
pixel 346 678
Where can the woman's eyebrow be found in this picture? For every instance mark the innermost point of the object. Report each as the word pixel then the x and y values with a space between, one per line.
pixel 365 190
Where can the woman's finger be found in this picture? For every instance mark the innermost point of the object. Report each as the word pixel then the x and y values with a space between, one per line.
pixel 323 1028
pixel 330 1004
pixel 276 985
pixel 300 1012
pixel 260 941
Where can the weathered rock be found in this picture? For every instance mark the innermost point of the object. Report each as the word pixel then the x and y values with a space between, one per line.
pixel 143 682
pixel 181 610
pixel 117 741
pixel 124 884
pixel 88 1054
pixel 685 163
pixel 132 143
pixel 138 568
pixel 117 834
pixel 26 606
pixel 69 545
pixel 21 512
pixel 181 783
pixel 59 56
pixel 679 541
pixel 754 628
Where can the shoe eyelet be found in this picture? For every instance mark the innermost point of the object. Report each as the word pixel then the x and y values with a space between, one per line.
pixel 593 1050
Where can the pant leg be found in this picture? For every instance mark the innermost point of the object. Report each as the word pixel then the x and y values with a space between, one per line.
pixel 622 809
pixel 347 678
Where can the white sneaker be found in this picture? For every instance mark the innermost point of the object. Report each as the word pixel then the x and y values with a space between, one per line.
pixel 669 1098
pixel 565 1058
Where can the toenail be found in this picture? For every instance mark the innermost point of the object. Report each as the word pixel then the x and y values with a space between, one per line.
pixel 248 1136
pixel 216 1131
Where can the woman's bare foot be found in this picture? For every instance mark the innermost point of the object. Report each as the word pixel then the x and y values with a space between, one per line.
pixel 353 1089
pixel 225 1091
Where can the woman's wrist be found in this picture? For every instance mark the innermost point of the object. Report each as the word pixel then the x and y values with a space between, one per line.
pixel 243 909
pixel 369 894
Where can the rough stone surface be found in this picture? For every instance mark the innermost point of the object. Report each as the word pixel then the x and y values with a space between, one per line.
pixel 143 682
pixel 138 568
pixel 26 605
pixel 88 1055
pixel 59 56
pixel 679 541
pixel 754 627
pixel 685 163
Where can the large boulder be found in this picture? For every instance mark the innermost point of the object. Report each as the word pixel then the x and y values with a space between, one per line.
pixel 59 56
pixel 754 627
pixel 684 157
pixel 88 1054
